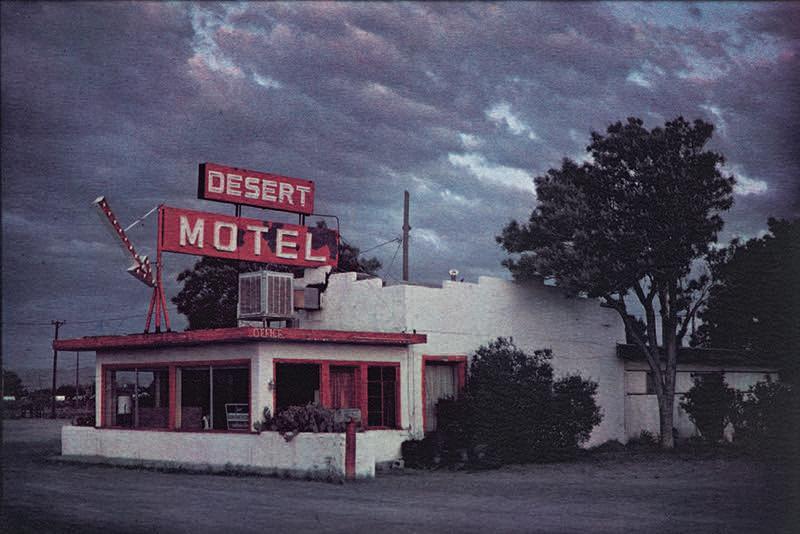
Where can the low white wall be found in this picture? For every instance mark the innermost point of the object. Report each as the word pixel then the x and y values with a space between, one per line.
pixel 308 453
pixel 381 445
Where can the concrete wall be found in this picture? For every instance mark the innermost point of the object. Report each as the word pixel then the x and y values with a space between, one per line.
pixel 459 317
pixel 307 454
pixel 641 409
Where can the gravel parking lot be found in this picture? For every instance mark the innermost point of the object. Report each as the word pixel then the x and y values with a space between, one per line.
pixel 607 493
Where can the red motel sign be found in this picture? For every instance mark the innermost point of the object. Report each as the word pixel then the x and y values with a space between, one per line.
pixel 254 188
pixel 237 238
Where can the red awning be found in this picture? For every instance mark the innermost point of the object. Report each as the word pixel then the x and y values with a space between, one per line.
pixel 235 335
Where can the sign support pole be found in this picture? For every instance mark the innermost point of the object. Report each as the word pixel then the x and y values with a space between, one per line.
pixel 158 302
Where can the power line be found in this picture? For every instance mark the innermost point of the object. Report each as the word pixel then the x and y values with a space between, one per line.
pixel 395 240
pixel 88 321
pixel 392 262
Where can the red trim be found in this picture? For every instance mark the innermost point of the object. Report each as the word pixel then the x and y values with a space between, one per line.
pixel 233 335
pixel 325 384
pixel 102 387
pixel 350 451
pixel 459 360
pixel 172 398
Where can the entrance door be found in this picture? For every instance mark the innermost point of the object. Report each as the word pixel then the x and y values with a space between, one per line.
pixel 441 381
pixel 343 387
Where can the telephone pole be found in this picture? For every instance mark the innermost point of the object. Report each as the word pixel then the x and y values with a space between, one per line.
pixel 77 382
pixel 406 228
pixel 57 324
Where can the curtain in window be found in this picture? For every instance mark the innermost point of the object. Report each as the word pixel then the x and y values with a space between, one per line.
pixel 343 387
pixel 440 383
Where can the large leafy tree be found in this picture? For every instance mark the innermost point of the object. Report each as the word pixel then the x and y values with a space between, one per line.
pixel 209 294
pixel 753 302
pixel 628 226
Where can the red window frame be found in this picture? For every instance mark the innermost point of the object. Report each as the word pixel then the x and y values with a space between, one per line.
pixel 106 368
pixel 361 381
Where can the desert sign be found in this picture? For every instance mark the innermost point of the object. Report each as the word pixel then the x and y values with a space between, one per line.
pixel 254 188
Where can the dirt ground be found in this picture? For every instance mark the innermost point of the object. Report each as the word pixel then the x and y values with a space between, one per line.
pixel 622 492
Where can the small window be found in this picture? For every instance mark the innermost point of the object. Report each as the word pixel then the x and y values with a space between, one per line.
pixel 382 396
pixel 650 387
pixel 139 398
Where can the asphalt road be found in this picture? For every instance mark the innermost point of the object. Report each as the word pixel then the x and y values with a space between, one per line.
pixel 619 493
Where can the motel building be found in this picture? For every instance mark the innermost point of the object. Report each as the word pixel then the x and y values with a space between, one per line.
pixel 380 355
pixel 354 344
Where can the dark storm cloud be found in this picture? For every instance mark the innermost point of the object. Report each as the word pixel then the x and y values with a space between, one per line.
pixel 461 104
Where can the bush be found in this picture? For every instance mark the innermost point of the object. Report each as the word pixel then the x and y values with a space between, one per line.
pixel 711 404
pixel 646 440
pixel 294 419
pixel 512 411
pixel 519 412
pixel 768 417
pixel 84 420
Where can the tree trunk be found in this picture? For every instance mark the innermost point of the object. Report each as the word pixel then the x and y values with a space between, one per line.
pixel 667 401
pixel 665 411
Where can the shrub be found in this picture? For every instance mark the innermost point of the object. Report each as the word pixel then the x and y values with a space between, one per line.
pixel 308 418
pixel 519 412
pixel 84 420
pixel 512 410
pixel 645 440
pixel 574 405
pixel 711 404
pixel 769 416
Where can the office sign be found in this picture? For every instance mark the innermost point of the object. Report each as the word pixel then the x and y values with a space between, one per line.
pixel 254 188
pixel 238 238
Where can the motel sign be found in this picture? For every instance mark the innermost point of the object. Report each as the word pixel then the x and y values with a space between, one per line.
pixel 238 238
pixel 254 188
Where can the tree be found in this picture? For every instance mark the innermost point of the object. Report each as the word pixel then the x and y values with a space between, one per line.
pixel 12 385
pixel 632 221
pixel 752 304
pixel 209 294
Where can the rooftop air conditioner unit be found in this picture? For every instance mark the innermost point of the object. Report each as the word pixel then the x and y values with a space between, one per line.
pixel 265 295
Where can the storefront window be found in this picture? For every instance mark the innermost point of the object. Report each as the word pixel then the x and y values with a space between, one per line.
pixel 214 398
pixel 138 398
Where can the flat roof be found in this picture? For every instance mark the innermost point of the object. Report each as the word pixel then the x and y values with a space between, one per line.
pixel 235 335
pixel 711 356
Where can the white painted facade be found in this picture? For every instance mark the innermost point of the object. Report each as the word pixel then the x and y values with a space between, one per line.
pixel 460 317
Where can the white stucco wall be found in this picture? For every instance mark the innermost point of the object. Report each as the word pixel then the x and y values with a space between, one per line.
pixel 307 453
pixel 641 409
pixel 459 317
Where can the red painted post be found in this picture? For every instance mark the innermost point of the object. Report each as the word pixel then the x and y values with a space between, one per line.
pixel 173 407
pixel 350 451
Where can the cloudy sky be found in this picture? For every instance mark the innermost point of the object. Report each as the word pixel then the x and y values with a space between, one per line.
pixel 460 104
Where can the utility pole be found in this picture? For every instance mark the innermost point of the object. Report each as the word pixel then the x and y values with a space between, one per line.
pixel 77 365
pixel 406 228
pixel 57 324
